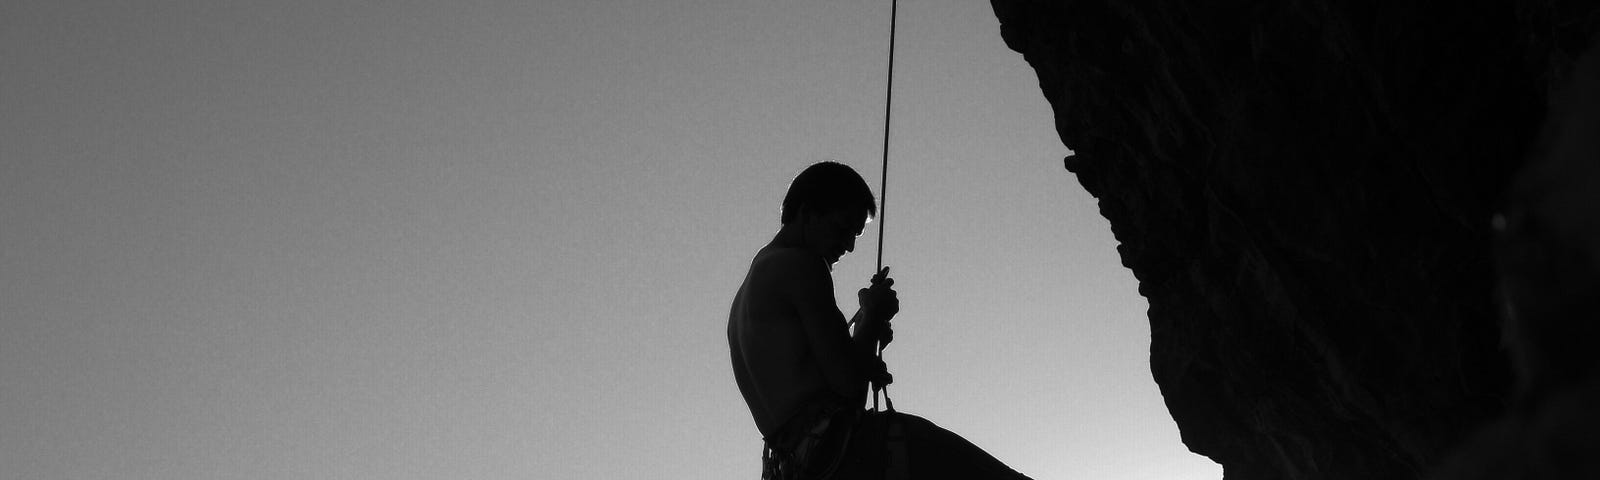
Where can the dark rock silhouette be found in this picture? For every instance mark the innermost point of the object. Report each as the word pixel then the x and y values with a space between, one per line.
pixel 1548 257
pixel 1306 193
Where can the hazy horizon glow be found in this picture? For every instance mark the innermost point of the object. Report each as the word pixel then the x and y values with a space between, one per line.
pixel 496 240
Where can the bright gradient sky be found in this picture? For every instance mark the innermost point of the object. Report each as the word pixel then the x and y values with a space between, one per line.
pixel 498 240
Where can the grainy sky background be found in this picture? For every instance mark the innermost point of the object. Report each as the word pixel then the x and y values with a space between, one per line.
pixel 498 240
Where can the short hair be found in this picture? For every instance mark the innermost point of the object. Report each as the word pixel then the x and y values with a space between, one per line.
pixel 827 187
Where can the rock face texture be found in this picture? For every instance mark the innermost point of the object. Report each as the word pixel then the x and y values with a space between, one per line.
pixel 1311 195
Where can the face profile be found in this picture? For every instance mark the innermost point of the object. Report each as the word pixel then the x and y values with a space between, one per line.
pixel 834 234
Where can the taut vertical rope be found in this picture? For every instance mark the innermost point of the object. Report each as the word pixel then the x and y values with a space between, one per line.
pixel 883 185
pixel 888 101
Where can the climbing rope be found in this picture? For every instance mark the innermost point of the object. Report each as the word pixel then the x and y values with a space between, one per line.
pixel 888 100
pixel 896 463
pixel 883 187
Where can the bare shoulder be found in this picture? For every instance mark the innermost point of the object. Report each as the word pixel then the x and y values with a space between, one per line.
pixel 799 278
pixel 788 266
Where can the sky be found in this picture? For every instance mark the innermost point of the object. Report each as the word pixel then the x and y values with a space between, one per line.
pixel 498 240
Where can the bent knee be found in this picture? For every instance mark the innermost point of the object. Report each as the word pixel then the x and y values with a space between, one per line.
pixel 914 425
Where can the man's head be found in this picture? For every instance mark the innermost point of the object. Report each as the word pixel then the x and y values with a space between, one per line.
pixel 831 204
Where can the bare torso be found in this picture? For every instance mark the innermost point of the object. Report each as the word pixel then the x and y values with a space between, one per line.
pixel 778 364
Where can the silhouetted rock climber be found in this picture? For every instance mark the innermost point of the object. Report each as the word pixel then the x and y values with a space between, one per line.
pixel 803 373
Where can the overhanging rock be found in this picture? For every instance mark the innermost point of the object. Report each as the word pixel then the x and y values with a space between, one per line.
pixel 1304 191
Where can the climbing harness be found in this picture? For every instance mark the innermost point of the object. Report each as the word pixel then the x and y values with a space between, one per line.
pixel 813 443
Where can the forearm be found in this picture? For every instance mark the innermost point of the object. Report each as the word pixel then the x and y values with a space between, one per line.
pixel 865 337
pixel 864 346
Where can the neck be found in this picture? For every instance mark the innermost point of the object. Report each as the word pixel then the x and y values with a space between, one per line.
pixel 789 236
pixel 793 236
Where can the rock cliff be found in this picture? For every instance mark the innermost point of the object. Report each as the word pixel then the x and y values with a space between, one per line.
pixel 1307 193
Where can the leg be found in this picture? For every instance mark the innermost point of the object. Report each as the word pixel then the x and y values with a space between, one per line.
pixel 938 453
